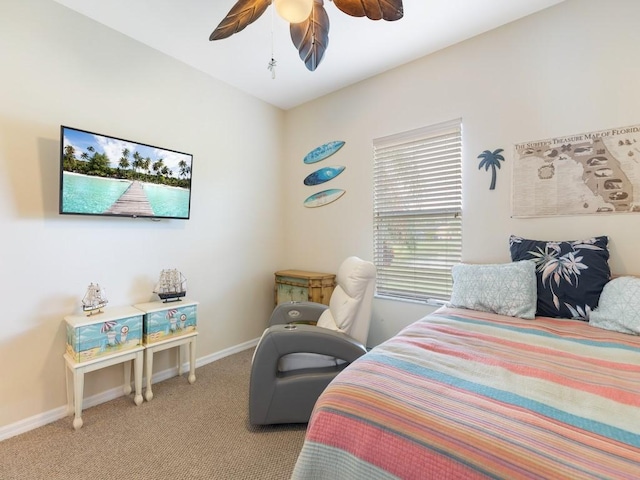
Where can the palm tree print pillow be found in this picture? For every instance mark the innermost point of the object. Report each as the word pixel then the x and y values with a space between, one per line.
pixel 570 274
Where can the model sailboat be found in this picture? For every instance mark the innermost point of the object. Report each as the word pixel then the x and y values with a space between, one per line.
pixel 171 286
pixel 94 299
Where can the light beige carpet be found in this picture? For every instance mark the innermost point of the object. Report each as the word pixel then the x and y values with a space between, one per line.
pixel 186 432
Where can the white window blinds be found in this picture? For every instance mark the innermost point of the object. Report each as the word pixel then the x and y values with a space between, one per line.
pixel 418 211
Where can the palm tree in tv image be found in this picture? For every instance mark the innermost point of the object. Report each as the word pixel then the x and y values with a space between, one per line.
pixel 157 166
pixel 85 155
pixel 123 164
pixel 185 170
pixel 146 165
pixel 138 163
pixel 96 164
pixel 69 161
pixel 491 160
pixel 166 173
pixel 99 165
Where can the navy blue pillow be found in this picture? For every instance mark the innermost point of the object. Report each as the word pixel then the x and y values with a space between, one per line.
pixel 571 274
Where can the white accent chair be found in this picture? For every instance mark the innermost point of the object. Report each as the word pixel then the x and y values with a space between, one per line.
pixel 295 361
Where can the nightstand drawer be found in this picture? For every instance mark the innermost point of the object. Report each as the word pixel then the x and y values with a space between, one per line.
pixel 112 331
pixel 165 320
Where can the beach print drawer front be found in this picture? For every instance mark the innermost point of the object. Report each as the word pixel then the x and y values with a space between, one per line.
pixel 173 321
pixel 103 336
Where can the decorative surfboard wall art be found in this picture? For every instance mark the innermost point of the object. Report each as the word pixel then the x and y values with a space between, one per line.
pixel 323 198
pixel 323 151
pixel 323 175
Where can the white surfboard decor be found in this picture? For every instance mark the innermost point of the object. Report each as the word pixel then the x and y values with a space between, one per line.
pixel 324 197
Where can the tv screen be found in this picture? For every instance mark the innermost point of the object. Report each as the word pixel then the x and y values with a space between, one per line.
pixel 102 175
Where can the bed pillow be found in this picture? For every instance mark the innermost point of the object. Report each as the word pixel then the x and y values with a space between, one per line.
pixel 506 289
pixel 570 274
pixel 619 306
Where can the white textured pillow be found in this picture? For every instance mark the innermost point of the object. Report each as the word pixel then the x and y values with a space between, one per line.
pixel 507 289
pixel 619 306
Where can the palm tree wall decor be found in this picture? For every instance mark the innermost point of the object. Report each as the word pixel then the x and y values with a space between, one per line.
pixel 491 160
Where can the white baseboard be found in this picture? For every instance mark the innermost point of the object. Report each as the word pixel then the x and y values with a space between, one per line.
pixel 44 418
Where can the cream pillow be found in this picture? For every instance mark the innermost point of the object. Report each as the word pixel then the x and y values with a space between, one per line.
pixel 341 311
pixel 326 321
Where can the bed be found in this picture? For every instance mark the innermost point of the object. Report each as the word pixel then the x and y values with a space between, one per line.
pixel 469 394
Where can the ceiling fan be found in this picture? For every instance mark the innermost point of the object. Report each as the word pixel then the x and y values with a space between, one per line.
pixel 309 22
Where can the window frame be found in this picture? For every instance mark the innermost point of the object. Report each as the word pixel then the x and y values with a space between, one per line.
pixel 417 193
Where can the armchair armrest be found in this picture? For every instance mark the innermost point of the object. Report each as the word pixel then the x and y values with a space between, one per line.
pixel 296 312
pixel 280 340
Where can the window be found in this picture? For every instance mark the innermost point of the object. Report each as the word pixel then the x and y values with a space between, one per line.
pixel 418 211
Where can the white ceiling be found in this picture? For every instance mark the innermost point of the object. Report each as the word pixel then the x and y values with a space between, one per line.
pixel 358 47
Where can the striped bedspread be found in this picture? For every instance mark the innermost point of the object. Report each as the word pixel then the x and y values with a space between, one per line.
pixel 463 394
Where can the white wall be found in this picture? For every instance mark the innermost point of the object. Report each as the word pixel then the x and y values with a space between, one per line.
pixel 569 69
pixel 59 67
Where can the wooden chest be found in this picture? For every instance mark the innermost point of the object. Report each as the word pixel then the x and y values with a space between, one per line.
pixel 114 330
pixel 302 286
pixel 165 320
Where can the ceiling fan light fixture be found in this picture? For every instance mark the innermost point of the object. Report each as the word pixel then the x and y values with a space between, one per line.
pixel 309 21
pixel 294 11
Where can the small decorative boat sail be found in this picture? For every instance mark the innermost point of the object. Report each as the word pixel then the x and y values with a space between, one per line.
pixel 171 286
pixel 94 299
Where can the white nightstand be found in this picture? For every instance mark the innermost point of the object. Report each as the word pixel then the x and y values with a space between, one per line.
pixel 167 325
pixel 99 341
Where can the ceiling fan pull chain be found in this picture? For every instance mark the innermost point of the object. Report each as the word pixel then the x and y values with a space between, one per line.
pixel 272 64
pixel 272 67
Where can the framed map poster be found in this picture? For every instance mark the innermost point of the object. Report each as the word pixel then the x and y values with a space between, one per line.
pixel 587 173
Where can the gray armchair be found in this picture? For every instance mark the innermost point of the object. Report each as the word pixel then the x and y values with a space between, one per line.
pixel 295 360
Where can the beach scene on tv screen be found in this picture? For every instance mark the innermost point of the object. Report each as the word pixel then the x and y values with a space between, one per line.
pixel 110 176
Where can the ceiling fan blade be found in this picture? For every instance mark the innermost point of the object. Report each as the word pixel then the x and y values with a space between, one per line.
pixel 311 37
pixel 243 13
pixel 390 10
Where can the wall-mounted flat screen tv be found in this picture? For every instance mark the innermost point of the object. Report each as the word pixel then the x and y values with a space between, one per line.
pixel 102 175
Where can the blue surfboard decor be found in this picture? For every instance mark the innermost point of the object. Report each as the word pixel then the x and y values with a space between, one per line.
pixel 323 175
pixel 323 151
pixel 323 198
